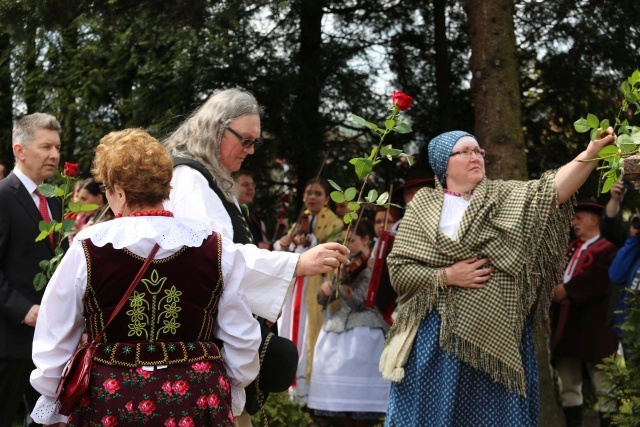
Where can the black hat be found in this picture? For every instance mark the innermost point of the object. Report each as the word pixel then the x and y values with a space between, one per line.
pixel 589 205
pixel 278 365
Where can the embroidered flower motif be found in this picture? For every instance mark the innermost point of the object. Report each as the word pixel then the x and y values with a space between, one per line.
pixel 107 349
pixel 186 422
pixel 170 422
pixel 191 346
pixel 180 387
pixel 202 367
pixel 111 385
pixel 126 350
pixel 202 401
pixel 129 406
pixel 171 347
pixel 109 421
pixel 231 417
pixel 143 372
pixel 147 407
pixel 166 387
pixel 85 401
pixel 224 383
pixel 151 348
pixel 213 400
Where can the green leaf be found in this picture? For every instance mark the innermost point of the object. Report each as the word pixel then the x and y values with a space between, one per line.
pixel 403 128
pixel 607 184
pixel 625 87
pixel 350 193
pixel 337 196
pixel 363 167
pixel 57 226
pixel 604 124
pixel 43 264
pixel 59 252
pixel 334 185
pixel 374 151
pixel 75 206
pixel 372 196
pixel 47 190
pixel 347 219
pixel 42 235
pixel 634 78
pixel 382 199
pixel 608 151
pixel 409 159
pixel 68 224
pixel 58 192
pixel 581 126
pixel 39 282
pixel 353 215
pixel 358 120
pixel 89 207
pixel 44 226
pixel 353 206
pixel 594 134
pixel 389 124
pixel 592 121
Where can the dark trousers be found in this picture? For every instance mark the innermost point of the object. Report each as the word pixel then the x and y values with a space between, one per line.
pixel 15 387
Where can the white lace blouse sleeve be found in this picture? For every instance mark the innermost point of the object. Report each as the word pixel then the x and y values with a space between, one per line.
pixel 191 197
pixel 58 330
pixel 236 327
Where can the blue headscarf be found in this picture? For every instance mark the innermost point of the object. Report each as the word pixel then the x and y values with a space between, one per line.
pixel 440 150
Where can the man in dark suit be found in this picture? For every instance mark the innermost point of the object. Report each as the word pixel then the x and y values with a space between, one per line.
pixel 36 147
pixel 581 334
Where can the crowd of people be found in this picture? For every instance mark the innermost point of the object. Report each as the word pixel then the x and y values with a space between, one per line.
pixel 425 316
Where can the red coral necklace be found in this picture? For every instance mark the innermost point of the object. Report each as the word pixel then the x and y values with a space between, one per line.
pixel 149 213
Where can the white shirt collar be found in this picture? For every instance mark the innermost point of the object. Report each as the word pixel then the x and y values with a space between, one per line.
pixel 26 181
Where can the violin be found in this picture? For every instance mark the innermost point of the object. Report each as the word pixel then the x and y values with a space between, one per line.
pixel 348 273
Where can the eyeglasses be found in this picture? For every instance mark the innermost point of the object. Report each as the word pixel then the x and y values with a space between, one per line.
pixel 465 154
pixel 103 188
pixel 246 142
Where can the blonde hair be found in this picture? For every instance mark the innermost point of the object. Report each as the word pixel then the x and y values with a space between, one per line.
pixel 200 135
pixel 137 162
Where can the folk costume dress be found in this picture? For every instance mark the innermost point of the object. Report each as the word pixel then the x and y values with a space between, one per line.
pixel 464 357
pixel 345 380
pixel 157 363
pixel 302 317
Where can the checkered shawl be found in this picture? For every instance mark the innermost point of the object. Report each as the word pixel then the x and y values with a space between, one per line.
pixel 521 229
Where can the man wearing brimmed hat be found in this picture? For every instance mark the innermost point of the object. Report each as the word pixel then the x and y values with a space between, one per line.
pixel 580 333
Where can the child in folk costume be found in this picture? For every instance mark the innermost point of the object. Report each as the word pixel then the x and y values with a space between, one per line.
pixel 301 316
pixel 345 380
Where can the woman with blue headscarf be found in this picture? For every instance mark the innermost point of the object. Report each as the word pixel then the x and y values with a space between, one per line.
pixel 474 263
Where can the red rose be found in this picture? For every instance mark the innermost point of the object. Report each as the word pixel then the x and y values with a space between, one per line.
pixel 147 407
pixel 401 100
pixel 111 385
pixel 180 387
pixel 144 372
pixel 186 422
pixel 224 383
pixel 85 401
pixel 213 400
pixel 129 406
pixel 71 169
pixel 202 401
pixel 201 367
pixel 171 422
pixel 166 387
pixel 109 420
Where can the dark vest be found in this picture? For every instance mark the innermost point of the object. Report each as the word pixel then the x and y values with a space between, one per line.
pixel 170 315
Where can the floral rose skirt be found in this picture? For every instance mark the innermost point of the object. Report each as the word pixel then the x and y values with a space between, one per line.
pixel 177 396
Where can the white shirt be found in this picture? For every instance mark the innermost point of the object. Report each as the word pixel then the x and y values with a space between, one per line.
pixel 453 208
pixel 568 273
pixel 61 323
pixel 268 278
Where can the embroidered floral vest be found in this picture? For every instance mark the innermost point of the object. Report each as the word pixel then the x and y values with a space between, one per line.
pixel 170 315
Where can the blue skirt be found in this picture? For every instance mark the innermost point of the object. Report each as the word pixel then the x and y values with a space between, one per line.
pixel 440 390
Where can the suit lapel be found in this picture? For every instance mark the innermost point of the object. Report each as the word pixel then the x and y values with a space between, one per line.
pixel 24 199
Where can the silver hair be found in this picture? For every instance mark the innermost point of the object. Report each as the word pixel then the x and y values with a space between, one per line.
pixel 200 135
pixel 24 129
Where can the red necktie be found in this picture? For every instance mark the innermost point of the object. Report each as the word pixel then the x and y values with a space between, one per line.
pixel 574 258
pixel 44 212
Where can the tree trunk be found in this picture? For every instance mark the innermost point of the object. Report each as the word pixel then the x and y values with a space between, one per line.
pixel 6 101
pixel 305 128
pixel 494 87
pixel 496 94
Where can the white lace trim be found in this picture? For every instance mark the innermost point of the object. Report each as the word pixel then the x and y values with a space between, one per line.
pixel 46 411
pixel 169 233
pixel 238 399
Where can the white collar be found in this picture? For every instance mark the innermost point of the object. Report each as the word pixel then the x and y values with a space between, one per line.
pixel 169 233
pixel 25 180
